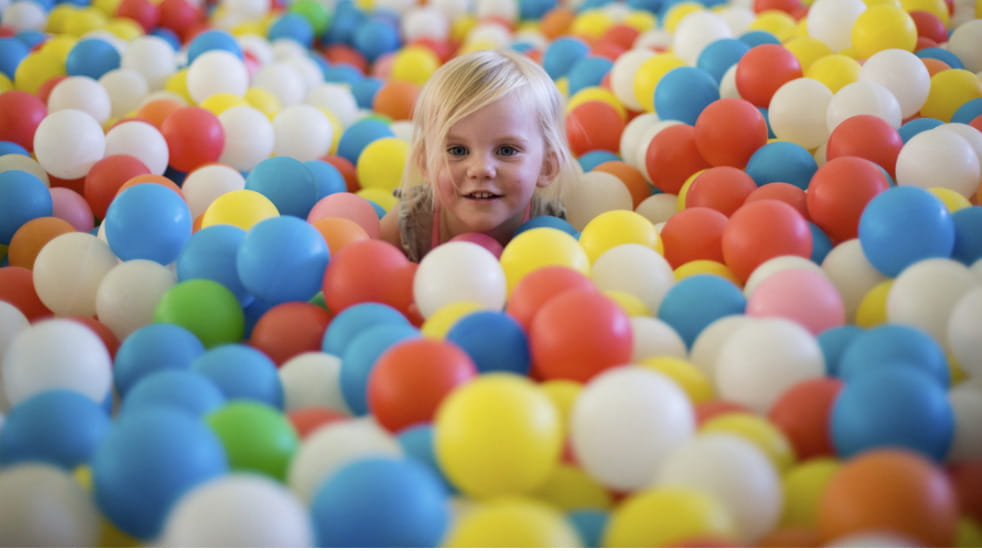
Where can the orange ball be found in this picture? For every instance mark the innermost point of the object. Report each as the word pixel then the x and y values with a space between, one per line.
pixel 693 234
pixel 869 137
pixel 791 536
pixel 761 230
pixel 839 192
pixel 150 179
pixel 540 285
pixel 307 420
pixel 396 99
pixel 729 131
pixel 781 191
pixel 594 126
pixel 893 490
pixel 155 111
pixel 34 234
pixel 342 53
pixel 764 69
pixel 672 157
pixel 633 179
pixel 370 270
pixel 556 22
pixel 290 329
pixel 338 232
pixel 723 188
pixel 934 66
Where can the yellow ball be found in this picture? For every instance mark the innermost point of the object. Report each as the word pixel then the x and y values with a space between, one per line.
pixel 591 23
pixel 380 164
pixel 650 73
pixel 803 486
pixel 540 247
pixel 85 21
pixel 684 190
pixel 107 7
pixel 59 45
pixel 37 68
pixel 936 7
pixel 563 394
pixel 969 534
pixel 807 50
pixel 882 27
pixel 955 372
pixel 950 89
pixel 617 227
pixel 702 266
pixel 677 13
pixel 498 434
pixel 834 71
pixel 640 20
pixel 59 16
pixel 662 517
pixel 439 323
pixel 570 488
pixel 243 208
pixel 6 84
pixel 597 93
pixel 872 310
pixel 177 84
pixel 384 198
pixel 777 22
pixel 264 101
pixel 953 201
pixel 631 304
pixel 512 522
pixel 758 431
pixel 690 378
pixel 462 26
pixel 124 28
pixel 221 102
pixel 414 64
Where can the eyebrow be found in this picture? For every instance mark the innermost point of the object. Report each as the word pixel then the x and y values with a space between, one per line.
pixel 499 139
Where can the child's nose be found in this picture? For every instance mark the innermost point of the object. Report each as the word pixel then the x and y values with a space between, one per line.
pixel 481 167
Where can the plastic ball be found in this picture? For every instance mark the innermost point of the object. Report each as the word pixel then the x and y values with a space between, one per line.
pixel 679 513
pixel 242 208
pixel 750 235
pixel 129 293
pixel 903 74
pixel 834 71
pixel 289 329
pixel 866 136
pixel 350 322
pixel 32 236
pixel 950 163
pixel 916 299
pixel 211 254
pixel 21 113
pixel 781 161
pixel 881 229
pixel 721 54
pixel 728 131
pixel 803 412
pixel 762 70
pixel 683 93
pixel 380 164
pixel 24 197
pixel 882 27
pixel 242 373
pixel 686 309
pixel 60 284
pixel 106 176
pixel 32 487
pixel 839 192
pixel 57 426
pixel 180 389
pixel 152 348
pixel 369 271
pixel 206 308
pixel 722 188
pixel 69 160
pixel 194 137
pixel 360 356
pixel 350 206
pixel 311 381
pixel 141 140
pixel 594 125
pixel 649 74
pixel 863 97
pixel 597 193
pixel 287 182
pixel 458 272
pixel 797 112
pixel 255 436
pixel 617 227
pixel 672 156
pixel 538 287
pixel 303 132
pixel 512 521
pixel 803 296
pixel 960 337
pixel 540 247
pixel 148 221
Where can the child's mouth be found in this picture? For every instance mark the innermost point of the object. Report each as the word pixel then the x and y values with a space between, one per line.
pixel 482 196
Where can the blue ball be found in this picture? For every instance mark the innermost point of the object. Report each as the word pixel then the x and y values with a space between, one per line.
pixel 364 91
pixel 494 341
pixel 353 320
pixel 168 36
pixel 562 53
pixel 695 302
pixel 590 525
pixel 782 162
pixel 345 21
pixel 534 9
pixel 92 57
pixel 683 93
pixel 968 111
pixel 31 37
pixel 381 502
pixel 287 182
pixel 210 254
pixel 327 178
pixel 758 37
pixel 12 52
pixel 942 55
pixel 153 348
pixel 359 359
pixel 23 197
pixel 767 118
pixel 147 461
pixel 651 6
pixel 359 134
pixel 242 373
pixel 343 73
pixel 62 427
pixel 8 148
pixel 417 443
pixel 834 342
pixel 968 235
pixel 374 38
pixel 903 225
pixel 893 406
pixel 213 39
pixel 588 72
pixel 282 259
pixel 591 159
pixel 821 244
pixel 883 346
pixel 914 127
pixel 185 390
pixel 292 26
pixel 253 311
pixel 721 54
pixel 546 221
pixel 148 221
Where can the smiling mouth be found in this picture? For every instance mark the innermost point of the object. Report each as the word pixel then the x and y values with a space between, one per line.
pixel 482 195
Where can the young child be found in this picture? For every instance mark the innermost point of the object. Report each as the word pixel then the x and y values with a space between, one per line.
pixel 489 151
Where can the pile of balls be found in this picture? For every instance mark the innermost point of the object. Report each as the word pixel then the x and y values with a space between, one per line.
pixel 759 324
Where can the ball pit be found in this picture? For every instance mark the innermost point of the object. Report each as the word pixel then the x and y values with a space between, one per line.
pixel 766 281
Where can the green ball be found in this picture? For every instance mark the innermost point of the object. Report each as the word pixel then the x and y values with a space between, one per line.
pixel 314 12
pixel 256 437
pixel 204 307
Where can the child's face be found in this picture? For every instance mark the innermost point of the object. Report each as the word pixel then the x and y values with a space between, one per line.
pixel 495 158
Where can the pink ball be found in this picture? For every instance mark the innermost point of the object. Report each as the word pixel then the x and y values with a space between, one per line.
pixel 72 208
pixel 800 295
pixel 348 205
pixel 484 240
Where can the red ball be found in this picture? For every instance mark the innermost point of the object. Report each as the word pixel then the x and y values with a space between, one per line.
pixel 17 288
pixel 764 69
pixel 144 12
pixel 761 230
pixel 180 16
pixel 802 413
pixel 579 334
pixel 290 329
pixel 839 192
pixel 538 287
pixel 966 477
pixel 307 420
pixel 105 178
pixel 672 157
pixel 728 131
pixel 411 379
pixel 707 410
pixel 594 126
pixel 869 137
pixel 369 270
pixel 929 26
pixel 693 234
pixel 347 170
pixel 791 7
pixel 20 115
pixel 781 191
pixel 722 188
pixel 195 137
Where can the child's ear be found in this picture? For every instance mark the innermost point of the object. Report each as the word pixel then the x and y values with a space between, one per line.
pixel 550 169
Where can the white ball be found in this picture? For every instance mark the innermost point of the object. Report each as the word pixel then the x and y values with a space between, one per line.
pixel 634 269
pixel 281 80
pixel 12 322
pixel 459 271
pixel 622 75
pixel 964 339
pixel 336 98
pixel 333 446
pixel 126 89
pixel 736 473
pixel 653 337
pixel 67 143
pixel 24 16
pixel 82 93
pixel 303 132
pixel 255 44
pixel 727 84
pixel 42 505
pixel 313 379
pixel 68 271
pixel 403 130
pixel 238 510
pixel 453 8
pixel 141 140
pixel 625 422
pixel 738 18
pixel 216 72
pixel 797 112
pixel 831 21
pixel 696 31
pixel 205 184
pixel 493 34
pixel 310 73
pixel 971 134
pixel 505 9
pixel 396 6
pixel 597 192
pixel 151 56
pixel 56 354
pixel 964 43
pixel 901 72
pixel 659 207
pixel 924 294
pixel 16 161
pixel 285 48
pixel 863 97
pixel 249 137
pixel 966 401
pixel 871 540
pixel 851 273
pixel 631 138
pixel 939 158
pixel 777 264
pixel 128 295
pixel 653 39
pixel 759 361
pixel 425 22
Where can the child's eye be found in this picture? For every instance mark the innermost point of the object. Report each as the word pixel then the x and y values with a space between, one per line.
pixel 456 151
pixel 507 151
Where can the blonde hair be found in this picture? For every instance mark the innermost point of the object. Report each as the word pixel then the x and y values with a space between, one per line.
pixel 472 81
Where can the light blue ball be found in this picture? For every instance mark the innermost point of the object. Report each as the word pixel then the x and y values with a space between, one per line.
pixel 23 197
pixel 292 26
pixel 821 244
pixel 968 235
pixel 359 134
pixel 591 159
pixel 185 390
pixel 534 9
pixel 353 320
pixel 62 427
pixel 287 182
pixel 942 55
pixel 327 178
pixel 92 57
pixel 343 73
pixel 546 221
pixel 782 162
pixel 758 37
pixel 242 373
pixel 588 72
pixel 885 345
pixel 695 302
pixel 152 348
pixel 683 93
pixel 562 53
pixel 210 254
pixel 968 112
pixel 8 148
pixel 590 525
pixel 914 127
pixel 834 342
pixel 374 38
pixel 721 54
pixel 213 39
pixel 12 52
pixel 381 502
pixel 148 221
pixel 417 442
pixel 359 359
pixel 903 225
pixel 282 259
pixel 494 341
pixel 364 91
